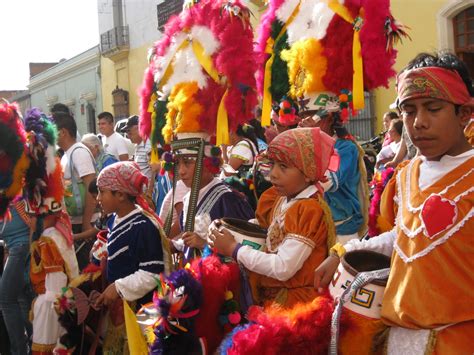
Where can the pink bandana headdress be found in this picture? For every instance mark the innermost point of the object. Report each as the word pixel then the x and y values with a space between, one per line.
pixel 309 149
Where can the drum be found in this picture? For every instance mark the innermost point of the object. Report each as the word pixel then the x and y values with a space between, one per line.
pixel 246 233
pixel 147 316
pixel 367 300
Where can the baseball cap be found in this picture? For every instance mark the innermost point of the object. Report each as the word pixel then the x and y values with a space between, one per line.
pixel 132 121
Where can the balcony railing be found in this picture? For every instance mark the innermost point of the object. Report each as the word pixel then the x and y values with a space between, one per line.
pixel 114 41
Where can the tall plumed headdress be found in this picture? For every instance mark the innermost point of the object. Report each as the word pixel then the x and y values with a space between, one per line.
pixel 201 74
pixel 44 187
pixel 325 53
pixel 13 159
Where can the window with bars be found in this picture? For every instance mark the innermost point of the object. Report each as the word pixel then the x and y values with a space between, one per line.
pixel 463 25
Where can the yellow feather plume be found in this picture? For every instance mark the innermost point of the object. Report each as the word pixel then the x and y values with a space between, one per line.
pixel 182 112
pixel 306 67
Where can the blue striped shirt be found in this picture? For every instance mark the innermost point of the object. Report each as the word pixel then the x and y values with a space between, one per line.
pixel 132 244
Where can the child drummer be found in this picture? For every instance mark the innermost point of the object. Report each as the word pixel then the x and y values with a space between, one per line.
pixel 428 298
pixel 300 228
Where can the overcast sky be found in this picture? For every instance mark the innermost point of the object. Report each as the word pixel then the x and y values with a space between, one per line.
pixel 43 31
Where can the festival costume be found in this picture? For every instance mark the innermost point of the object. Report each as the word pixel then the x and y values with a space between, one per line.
pixel 53 259
pixel 431 247
pixel 136 250
pixel 300 229
pixel 200 86
pixel 427 235
pixel 300 220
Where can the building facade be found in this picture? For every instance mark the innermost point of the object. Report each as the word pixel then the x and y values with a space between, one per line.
pixel 434 25
pixel 74 82
pixel 127 30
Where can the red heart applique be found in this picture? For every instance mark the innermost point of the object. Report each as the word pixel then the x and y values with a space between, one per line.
pixel 438 214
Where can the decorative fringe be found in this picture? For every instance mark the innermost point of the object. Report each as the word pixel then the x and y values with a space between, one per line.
pixel 327 217
pixel 430 346
pixel 363 191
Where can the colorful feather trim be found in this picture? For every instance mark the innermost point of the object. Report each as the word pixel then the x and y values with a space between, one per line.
pixel 13 160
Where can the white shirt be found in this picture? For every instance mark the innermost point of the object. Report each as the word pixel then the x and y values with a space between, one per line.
pixel 141 157
pixel 389 151
pixel 181 191
pixel 290 256
pixel 432 171
pixel 82 159
pixel 115 144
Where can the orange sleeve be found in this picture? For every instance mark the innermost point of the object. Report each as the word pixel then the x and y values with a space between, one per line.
pixel 304 222
pixel 50 256
pixel 265 207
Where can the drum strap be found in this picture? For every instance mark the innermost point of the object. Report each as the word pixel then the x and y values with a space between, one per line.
pixel 361 279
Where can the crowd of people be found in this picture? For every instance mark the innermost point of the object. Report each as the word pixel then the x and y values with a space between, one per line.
pixel 99 227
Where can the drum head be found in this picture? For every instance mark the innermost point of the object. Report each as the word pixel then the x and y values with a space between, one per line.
pixel 365 260
pixel 244 227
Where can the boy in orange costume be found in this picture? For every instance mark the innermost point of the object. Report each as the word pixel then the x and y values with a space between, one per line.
pixel 428 298
pixel 299 223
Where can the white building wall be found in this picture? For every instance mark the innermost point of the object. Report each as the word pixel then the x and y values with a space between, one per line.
pixel 75 83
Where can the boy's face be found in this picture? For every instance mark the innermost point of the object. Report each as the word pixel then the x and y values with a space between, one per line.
pixel 287 180
pixel 434 127
pixel 186 168
pixel 108 200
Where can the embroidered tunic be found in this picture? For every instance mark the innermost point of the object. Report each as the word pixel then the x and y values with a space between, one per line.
pixel 296 244
pixel 430 283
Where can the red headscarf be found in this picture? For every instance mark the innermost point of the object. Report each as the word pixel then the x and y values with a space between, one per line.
pixel 309 149
pixel 433 82
pixel 126 177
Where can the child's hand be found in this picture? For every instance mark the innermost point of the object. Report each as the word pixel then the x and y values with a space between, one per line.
pixel 193 240
pixel 107 297
pixel 325 272
pixel 223 241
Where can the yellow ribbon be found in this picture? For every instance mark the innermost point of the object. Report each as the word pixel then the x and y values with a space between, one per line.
pixel 136 340
pixel 357 65
pixel 222 126
pixel 267 77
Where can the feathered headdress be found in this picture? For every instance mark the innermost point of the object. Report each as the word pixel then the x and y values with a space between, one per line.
pixel 201 74
pixel 44 186
pixel 13 159
pixel 325 53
